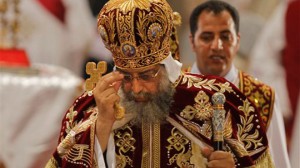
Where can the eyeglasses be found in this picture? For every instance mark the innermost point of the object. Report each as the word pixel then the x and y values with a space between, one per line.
pixel 143 77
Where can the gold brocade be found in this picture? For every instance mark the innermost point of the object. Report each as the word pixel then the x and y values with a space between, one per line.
pixel 70 118
pixel 177 142
pixel 74 153
pixel 125 143
pixel 52 163
pixel 84 125
pixel 180 151
pixel 260 94
pixel 151 145
pixel 92 144
pixel 202 110
pixel 185 153
pixel 197 158
pixel 79 127
pixel 235 145
pixel 264 161
pixel 80 154
pixel 137 32
pixel 156 145
pixel 146 134
pixel 228 126
pixel 250 140
pixel 205 83
pixel 174 42
pixel 126 6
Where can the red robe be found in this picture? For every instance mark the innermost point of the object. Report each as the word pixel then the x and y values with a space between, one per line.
pixel 174 143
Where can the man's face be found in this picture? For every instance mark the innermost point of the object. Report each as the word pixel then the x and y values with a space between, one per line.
pixel 151 99
pixel 215 43
pixel 142 82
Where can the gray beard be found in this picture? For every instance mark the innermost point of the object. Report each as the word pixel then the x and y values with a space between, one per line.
pixel 154 110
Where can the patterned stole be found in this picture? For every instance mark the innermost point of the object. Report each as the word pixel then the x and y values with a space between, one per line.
pixel 260 94
pixel 154 146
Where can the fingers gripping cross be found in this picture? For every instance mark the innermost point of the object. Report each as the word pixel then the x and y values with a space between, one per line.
pixel 95 74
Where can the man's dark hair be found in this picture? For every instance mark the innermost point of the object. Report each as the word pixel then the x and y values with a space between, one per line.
pixel 96 6
pixel 216 7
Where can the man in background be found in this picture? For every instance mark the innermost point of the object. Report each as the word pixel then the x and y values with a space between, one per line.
pixel 215 39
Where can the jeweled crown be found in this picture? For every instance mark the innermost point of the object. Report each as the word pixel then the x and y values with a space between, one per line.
pixel 137 32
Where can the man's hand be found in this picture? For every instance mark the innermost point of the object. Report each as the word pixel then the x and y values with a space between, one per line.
pixel 106 95
pixel 218 159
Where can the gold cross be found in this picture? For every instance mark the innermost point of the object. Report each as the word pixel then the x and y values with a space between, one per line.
pixel 95 73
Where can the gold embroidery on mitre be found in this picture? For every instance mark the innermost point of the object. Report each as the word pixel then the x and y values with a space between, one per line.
pixel 137 32
pixel 128 5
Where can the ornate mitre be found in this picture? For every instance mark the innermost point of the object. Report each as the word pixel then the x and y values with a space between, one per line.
pixel 137 32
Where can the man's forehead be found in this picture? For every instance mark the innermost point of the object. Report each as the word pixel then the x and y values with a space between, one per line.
pixel 209 19
pixel 139 70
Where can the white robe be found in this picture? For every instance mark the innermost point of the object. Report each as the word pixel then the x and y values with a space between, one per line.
pixel 295 146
